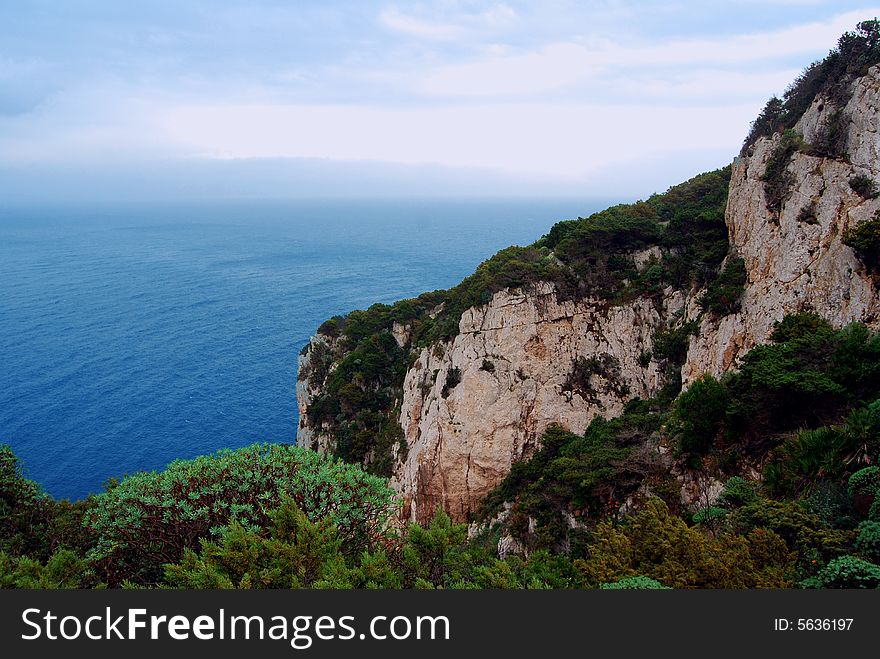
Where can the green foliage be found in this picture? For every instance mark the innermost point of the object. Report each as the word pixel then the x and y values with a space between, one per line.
pixel 864 186
pixel 800 326
pixel 846 572
pixel 864 238
pixel 831 139
pixel 804 533
pixel 737 492
pixel 659 545
pixel 803 461
pixel 809 377
pixel 699 415
pixel 722 297
pixel 868 540
pixel 865 481
pixel 777 179
pixel 150 519
pixel 31 523
pixel 603 365
pixel 65 569
pixel 292 553
pixel 428 551
pixel 589 474
pixel 487 366
pixel 634 583
pixel 830 78
pixel 672 343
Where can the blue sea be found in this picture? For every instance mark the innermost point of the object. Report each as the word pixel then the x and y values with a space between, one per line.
pixel 131 335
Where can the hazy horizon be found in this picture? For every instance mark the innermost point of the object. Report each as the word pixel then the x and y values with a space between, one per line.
pixel 232 100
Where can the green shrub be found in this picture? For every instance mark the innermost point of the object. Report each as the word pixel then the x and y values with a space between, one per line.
pixel 868 540
pixel 722 297
pixel 658 545
pixel 634 583
pixel 864 186
pixel 150 519
pixel 798 326
pixel 829 78
pixel 428 551
pixel 777 179
pixel 864 238
pixel 737 492
pixel 865 481
pixel 699 415
pixel 846 572
pixel 672 343
pixel 65 569
pixel 829 452
pixel 831 139
pixel 292 552
pixel 453 379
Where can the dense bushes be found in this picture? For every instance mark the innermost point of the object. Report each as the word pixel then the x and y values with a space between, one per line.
pixel 150 519
pixel 600 509
pixel 659 545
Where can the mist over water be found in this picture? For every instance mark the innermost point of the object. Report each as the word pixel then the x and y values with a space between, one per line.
pixel 131 335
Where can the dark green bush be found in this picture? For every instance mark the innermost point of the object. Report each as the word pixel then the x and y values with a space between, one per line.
pixel 453 379
pixel 672 343
pixel 293 552
pixel 864 186
pixel 722 297
pixel 699 415
pixel 864 238
pixel 868 540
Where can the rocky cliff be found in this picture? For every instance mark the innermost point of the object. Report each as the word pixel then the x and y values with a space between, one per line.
pixel 471 405
pixel 796 261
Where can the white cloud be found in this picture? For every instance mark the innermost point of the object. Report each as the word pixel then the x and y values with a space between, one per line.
pixel 554 141
pixel 395 20
pixel 567 63
pixel 447 25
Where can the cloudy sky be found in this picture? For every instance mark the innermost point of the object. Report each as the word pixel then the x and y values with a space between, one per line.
pixel 189 98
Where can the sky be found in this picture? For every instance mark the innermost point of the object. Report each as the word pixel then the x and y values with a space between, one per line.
pixel 105 100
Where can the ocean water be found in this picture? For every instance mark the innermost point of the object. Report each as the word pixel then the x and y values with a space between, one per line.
pixel 131 335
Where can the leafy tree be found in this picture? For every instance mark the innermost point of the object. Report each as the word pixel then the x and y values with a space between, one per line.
pixel 699 415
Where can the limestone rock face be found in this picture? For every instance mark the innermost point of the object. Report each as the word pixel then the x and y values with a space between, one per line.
pixel 795 265
pixel 306 435
pixel 515 359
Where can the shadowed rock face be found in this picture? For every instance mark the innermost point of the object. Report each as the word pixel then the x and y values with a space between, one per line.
pixel 514 358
